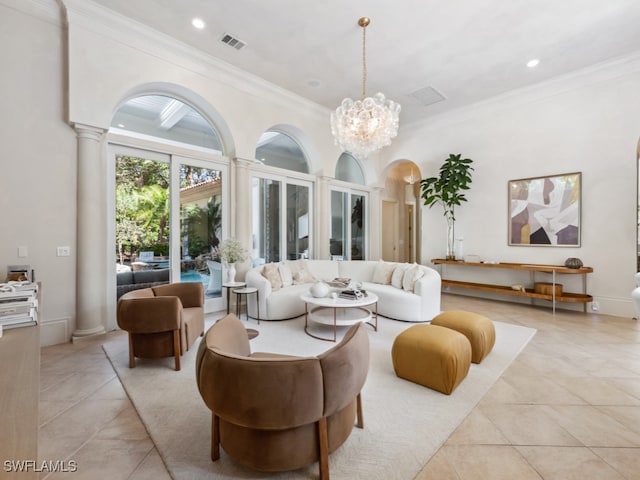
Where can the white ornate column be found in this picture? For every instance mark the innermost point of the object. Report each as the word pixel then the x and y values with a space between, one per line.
pixel 375 226
pixel 91 267
pixel 241 211
pixel 323 219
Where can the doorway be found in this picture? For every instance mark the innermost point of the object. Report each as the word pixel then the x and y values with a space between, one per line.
pixel 390 235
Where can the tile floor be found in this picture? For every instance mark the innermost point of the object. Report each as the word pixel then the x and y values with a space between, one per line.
pixel 568 407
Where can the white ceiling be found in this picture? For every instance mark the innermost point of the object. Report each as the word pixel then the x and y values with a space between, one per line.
pixel 467 50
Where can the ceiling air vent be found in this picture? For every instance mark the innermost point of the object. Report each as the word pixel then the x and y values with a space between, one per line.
pixel 427 96
pixel 233 41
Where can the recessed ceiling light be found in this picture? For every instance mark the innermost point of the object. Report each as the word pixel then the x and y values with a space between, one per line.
pixel 121 125
pixel 198 23
pixel 533 63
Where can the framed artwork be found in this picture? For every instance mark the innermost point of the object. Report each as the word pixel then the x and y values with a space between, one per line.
pixel 545 211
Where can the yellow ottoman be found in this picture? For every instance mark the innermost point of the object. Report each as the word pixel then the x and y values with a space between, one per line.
pixel 477 328
pixel 436 357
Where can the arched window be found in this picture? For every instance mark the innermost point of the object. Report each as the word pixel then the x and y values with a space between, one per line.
pixel 165 117
pixel 348 169
pixel 282 203
pixel 277 149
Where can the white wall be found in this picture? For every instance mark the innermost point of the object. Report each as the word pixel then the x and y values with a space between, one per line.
pixel 589 123
pixel 38 159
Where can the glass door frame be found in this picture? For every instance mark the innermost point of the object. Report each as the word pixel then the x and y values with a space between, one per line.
pixel 350 191
pixel 210 304
pixel 174 155
pixel 303 180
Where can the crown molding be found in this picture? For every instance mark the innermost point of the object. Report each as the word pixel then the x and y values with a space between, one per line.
pixel 47 10
pixel 118 28
pixel 591 75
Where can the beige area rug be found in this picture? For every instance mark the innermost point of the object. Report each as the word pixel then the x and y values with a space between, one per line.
pixel 405 423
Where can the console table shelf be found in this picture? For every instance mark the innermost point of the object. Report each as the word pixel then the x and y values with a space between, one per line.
pixel 554 270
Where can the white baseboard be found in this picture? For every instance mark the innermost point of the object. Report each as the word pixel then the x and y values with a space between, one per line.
pixel 53 332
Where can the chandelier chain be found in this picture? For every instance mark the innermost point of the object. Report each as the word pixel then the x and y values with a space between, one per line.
pixel 364 62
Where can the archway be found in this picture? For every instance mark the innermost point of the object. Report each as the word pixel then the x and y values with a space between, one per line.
pixel 402 236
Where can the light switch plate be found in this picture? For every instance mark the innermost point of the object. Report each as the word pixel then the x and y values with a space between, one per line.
pixel 23 251
pixel 63 251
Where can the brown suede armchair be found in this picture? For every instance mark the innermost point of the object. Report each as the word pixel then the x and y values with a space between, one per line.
pixel 162 321
pixel 274 412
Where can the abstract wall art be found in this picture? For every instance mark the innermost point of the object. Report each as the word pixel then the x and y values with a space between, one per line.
pixel 545 211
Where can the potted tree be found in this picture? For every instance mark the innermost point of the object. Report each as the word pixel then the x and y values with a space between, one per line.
pixel 448 189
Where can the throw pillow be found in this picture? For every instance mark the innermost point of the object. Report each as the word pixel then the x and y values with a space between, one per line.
pixel 285 275
pixel 411 276
pixel 398 274
pixel 383 272
pixel 303 276
pixel 300 272
pixel 271 273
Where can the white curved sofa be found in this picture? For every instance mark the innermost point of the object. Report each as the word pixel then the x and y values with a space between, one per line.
pixel 419 305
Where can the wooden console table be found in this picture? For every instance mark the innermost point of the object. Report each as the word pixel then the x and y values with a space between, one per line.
pixel 19 395
pixel 554 270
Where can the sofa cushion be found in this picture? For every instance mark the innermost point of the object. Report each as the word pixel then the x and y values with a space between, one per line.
pixel 398 275
pixel 151 276
pixel 300 271
pixel 286 302
pixel 396 303
pixel 124 278
pixel 358 271
pixel 411 276
pixel 325 270
pixel 286 276
pixel 383 272
pixel 271 273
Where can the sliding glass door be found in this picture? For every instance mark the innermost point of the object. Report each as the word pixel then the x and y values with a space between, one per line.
pixel 170 218
pixel 201 224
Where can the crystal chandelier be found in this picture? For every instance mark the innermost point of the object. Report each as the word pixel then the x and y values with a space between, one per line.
pixel 366 125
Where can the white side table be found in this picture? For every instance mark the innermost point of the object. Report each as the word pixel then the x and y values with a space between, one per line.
pixel 246 292
pixel 229 286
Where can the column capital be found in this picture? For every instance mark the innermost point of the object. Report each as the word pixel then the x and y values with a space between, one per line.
pixel 243 162
pixel 89 132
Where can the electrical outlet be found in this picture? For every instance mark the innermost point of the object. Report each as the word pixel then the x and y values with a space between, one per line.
pixel 63 251
pixel 595 306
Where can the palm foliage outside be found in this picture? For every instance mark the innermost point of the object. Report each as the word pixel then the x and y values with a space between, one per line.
pixel 143 210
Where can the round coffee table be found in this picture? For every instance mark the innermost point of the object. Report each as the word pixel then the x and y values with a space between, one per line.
pixel 339 312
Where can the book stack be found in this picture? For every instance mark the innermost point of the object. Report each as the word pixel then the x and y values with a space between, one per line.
pixel 353 294
pixel 18 304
